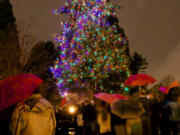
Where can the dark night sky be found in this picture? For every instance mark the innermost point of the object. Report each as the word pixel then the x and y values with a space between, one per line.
pixel 152 26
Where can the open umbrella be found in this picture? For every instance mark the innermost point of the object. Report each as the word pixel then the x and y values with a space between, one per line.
pixel 165 90
pixel 17 88
pixel 127 109
pixel 174 84
pixel 110 98
pixel 119 96
pixel 139 80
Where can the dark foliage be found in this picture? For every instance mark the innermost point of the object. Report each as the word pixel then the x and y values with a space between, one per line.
pixel 6 15
pixel 137 63
pixel 9 48
pixel 41 58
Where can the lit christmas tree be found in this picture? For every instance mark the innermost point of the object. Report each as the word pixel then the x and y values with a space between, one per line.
pixel 92 45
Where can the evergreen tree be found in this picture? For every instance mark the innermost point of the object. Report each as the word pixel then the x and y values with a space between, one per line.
pixel 137 63
pixel 92 46
pixel 9 48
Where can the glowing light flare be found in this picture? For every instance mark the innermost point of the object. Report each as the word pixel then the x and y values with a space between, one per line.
pixel 72 109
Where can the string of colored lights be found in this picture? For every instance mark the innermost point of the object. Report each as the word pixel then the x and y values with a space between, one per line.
pixel 91 45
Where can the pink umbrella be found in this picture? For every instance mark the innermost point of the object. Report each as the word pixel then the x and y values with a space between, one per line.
pixel 119 96
pixel 17 88
pixel 165 90
pixel 110 98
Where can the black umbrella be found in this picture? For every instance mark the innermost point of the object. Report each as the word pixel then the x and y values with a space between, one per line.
pixel 127 109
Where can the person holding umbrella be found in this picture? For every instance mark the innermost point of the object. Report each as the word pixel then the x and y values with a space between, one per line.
pixel 104 119
pixel 173 109
pixel 33 115
pixel 139 80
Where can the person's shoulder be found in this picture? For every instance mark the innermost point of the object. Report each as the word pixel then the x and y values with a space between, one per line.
pixel 43 105
pixel 174 103
pixel 45 102
pixel 21 108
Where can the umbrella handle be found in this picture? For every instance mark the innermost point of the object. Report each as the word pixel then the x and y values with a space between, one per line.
pixel 139 88
pixel 23 105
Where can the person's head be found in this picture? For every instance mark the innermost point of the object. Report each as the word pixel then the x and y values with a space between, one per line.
pixel 86 102
pixel 103 104
pixel 174 93
pixel 134 92
pixel 36 91
pixel 40 88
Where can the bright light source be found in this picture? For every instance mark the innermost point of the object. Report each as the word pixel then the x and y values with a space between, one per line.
pixel 148 96
pixel 65 94
pixel 72 109
pixel 92 101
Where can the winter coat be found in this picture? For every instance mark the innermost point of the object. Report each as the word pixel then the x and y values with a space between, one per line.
pixel 104 125
pixel 174 109
pixel 34 117
pixel 134 126
pixel 80 121
pixel 118 125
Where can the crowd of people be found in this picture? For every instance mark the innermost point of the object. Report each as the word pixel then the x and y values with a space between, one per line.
pixel 36 116
pixel 161 117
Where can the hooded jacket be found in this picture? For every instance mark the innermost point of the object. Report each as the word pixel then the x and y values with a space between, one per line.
pixel 34 117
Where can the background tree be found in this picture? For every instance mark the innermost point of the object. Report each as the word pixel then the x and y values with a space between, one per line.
pixel 137 63
pixel 92 45
pixel 9 48
pixel 41 57
pixel 26 40
pixel 20 54
pixel 16 42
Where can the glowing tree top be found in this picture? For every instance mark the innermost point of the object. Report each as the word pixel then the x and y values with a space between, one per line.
pixel 92 44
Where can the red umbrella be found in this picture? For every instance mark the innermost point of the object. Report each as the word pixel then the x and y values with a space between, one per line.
pixel 17 88
pixel 110 98
pixel 139 80
pixel 174 84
